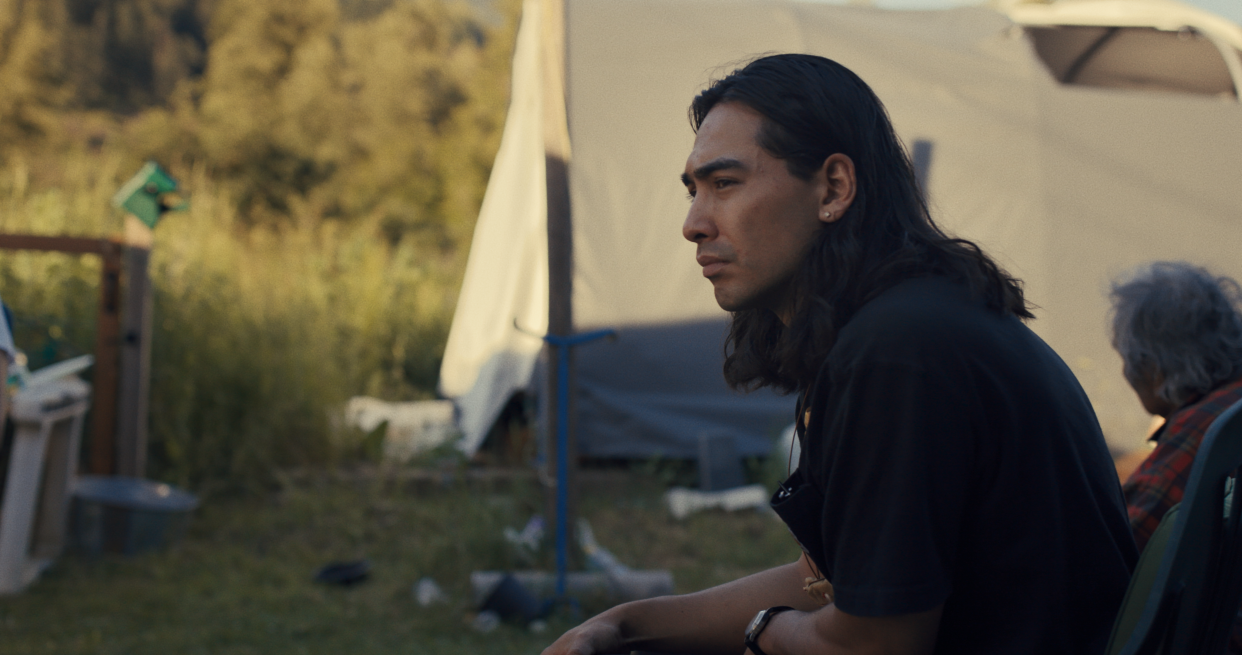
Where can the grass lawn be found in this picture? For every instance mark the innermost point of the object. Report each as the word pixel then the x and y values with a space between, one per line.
pixel 240 582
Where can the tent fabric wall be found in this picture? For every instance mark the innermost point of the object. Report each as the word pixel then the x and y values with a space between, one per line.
pixel 487 358
pixel 1068 187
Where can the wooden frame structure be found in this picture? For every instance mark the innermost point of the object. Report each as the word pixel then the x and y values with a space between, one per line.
pixel 122 347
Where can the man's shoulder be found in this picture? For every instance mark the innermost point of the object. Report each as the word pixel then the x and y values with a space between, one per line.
pixel 916 313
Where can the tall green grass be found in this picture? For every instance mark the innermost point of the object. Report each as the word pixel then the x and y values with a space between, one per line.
pixel 260 332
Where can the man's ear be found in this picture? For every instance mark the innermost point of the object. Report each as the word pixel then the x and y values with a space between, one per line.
pixel 839 185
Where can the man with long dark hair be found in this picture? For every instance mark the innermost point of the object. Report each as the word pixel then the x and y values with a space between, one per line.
pixel 953 493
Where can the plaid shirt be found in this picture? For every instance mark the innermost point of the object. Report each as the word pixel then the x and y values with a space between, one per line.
pixel 1157 484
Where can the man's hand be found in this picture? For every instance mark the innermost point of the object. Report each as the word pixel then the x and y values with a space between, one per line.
pixel 595 637
pixel 708 621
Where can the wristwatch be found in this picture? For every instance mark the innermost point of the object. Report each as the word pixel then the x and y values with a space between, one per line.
pixel 757 625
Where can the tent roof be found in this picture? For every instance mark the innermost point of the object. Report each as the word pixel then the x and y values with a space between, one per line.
pixel 1164 15
pixel 1137 44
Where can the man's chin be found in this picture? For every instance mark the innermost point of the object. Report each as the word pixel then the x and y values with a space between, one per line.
pixel 730 302
pixel 732 299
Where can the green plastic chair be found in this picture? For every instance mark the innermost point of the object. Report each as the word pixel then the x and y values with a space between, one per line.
pixel 1187 606
pixel 1141 582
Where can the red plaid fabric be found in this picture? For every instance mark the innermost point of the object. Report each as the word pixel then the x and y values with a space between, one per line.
pixel 1157 484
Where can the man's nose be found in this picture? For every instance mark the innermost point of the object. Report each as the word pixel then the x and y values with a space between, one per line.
pixel 699 225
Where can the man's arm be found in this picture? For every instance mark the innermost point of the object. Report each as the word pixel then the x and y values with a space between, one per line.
pixel 709 622
pixel 713 621
pixel 828 631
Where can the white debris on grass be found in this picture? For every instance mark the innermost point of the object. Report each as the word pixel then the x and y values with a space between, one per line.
pixel 530 538
pixel 598 557
pixel 683 502
pixel 485 622
pixel 413 427
pixel 625 583
pixel 427 592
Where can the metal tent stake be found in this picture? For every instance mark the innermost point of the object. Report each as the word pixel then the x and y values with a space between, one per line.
pixel 562 345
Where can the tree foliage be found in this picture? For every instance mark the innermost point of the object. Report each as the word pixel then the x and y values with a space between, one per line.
pixel 335 153
pixel 329 109
pixel 30 70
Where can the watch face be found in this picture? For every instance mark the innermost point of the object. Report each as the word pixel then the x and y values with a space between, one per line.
pixel 754 623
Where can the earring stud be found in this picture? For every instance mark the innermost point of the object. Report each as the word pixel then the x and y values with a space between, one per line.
pixel 827 215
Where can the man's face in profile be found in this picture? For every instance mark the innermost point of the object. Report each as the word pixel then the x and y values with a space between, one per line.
pixel 753 220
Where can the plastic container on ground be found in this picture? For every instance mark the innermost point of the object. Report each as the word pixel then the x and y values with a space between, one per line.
pixel 128 515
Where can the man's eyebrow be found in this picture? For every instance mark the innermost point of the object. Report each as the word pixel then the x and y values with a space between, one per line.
pixel 719 164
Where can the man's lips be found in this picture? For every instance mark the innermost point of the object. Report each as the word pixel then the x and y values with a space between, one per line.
pixel 711 265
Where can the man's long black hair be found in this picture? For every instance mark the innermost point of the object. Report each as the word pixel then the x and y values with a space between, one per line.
pixel 812 108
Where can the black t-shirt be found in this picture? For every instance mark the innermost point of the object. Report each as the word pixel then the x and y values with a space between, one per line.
pixel 952 457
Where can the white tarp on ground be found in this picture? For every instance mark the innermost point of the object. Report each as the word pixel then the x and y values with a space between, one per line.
pixel 1068 186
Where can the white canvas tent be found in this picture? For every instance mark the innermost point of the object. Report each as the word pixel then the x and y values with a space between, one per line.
pixel 1068 185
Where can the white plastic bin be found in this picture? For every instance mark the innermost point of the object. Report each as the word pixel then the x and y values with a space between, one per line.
pixel 41 471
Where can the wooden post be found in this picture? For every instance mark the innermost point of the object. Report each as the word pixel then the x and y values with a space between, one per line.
pixel 135 372
pixel 107 364
pixel 560 246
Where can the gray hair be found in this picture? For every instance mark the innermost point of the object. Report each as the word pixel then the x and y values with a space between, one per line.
pixel 1178 321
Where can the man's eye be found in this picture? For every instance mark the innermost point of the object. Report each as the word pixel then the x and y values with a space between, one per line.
pixel 689 194
pixel 720 184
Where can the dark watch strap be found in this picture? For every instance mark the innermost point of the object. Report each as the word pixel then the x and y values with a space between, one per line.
pixel 757 625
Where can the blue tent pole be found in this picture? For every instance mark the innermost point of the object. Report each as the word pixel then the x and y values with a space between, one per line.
pixel 563 345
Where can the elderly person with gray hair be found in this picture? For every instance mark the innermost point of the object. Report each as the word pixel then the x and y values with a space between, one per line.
pixel 1179 334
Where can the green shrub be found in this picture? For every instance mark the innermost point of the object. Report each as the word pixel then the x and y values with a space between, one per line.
pixel 262 333
pixel 259 335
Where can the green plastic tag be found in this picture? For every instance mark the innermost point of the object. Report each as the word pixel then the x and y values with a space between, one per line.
pixel 141 195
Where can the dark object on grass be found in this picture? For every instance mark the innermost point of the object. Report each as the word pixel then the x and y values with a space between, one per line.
pixel 512 602
pixel 127 515
pixel 344 573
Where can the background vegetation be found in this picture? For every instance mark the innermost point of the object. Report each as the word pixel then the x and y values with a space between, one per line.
pixel 335 153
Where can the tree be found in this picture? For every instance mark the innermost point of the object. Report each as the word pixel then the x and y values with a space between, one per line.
pixel 30 69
